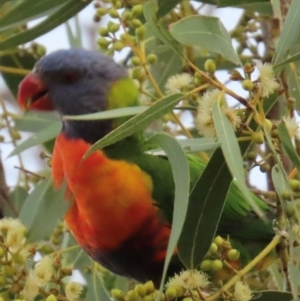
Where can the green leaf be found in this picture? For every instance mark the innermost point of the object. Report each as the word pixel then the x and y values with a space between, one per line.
pixel 75 39
pixel 35 122
pixel 199 144
pixel 225 3
pixel 207 32
pixel 17 196
pixel 164 6
pixel 110 114
pixel 138 122
pixel 272 296
pixel 181 175
pixel 16 60
pixel 38 138
pixel 96 290
pixel 68 10
pixel 288 145
pixel 158 30
pixel 290 59
pixel 289 34
pixel 27 10
pixel 204 211
pixel 232 153
pixel 43 206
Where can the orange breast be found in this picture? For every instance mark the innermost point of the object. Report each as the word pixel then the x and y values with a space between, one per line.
pixel 112 198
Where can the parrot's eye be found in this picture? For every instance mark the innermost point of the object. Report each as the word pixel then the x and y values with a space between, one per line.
pixel 70 78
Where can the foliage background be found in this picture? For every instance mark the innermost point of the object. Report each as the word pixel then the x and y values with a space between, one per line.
pixel 181 39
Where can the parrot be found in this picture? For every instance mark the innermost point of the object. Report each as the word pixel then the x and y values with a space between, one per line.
pixel 120 197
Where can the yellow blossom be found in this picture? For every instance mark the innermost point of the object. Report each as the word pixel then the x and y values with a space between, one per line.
pixel 268 83
pixel 176 82
pixel 73 290
pixel 8 223
pixel 15 238
pixel 292 126
pixel 44 270
pixel 31 288
pixel 189 280
pixel 242 292
pixel 204 120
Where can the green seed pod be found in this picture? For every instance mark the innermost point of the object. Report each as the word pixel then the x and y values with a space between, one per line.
pixel 213 248
pixel 179 290
pixel 15 134
pixel 118 46
pixel 217 265
pixel 248 68
pixel 233 254
pixel 118 5
pixel 268 125
pixel 18 259
pixel 141 290
pixel 97 18
pixel 132 295
pixel 264 167
pixel 151 58
pixel 101 11
pixel 103 31
pixel 286 195
pixel 218 240
pixel 113 13
pixel 8 271
pixel 136 73
pixel 294 184
pixel 258 137
pixel 136 61
pixel 127 15
pixel 140 33
pixel 290 210
pixel 136 23
pixel 2 281
pixel 206 265
pixel 117 294
pixel 247 85
pixel 137 10
pixel 171 293
pixel 210 66
pixel 2 252
pixel 113 27
pixel 51 298
pixel 148 298
pixel 149 286
pixel 251 155
pixel 103 43
pixel 41 50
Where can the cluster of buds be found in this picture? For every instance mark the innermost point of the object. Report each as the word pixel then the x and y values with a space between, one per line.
pixel 115 36
pixel 220 253
pixel 21 277
pixel 141 292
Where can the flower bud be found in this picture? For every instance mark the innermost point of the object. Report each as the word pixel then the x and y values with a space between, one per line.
pixel 210 66
pixel 103 31
pixel 247 85
pixel 51 298
pixel 127 15
pixel 137 10
pixel 117 294
pixel 264 167
pixel 295 185
pixel 258 137
pixel 213 248
pixel 103 43
pixel 233 254
pixel 286 195
pixel 140 32
pixel 132 295
pixel 136 23
pixel 171 293
pixel 136 61
pixel 251 155
pixel 113 13
pixel 206 265
pixel 218 240
pixel 118 46
pixel 151 58
pixel 149 286
pixel 101 11
pixel 217 265
pixel 141 290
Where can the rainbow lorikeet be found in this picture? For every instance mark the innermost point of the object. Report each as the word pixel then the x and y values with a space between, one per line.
pixel 121 198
